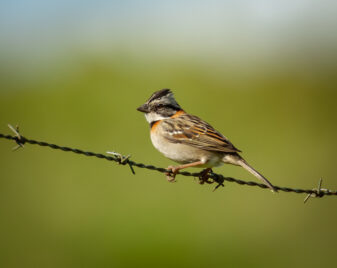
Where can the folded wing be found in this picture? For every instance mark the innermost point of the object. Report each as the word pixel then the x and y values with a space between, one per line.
pixel 191 130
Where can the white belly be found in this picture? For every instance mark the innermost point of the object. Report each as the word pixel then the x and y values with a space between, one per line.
pixel 184 154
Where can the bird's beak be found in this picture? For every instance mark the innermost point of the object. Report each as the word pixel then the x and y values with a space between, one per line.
pixel 144 108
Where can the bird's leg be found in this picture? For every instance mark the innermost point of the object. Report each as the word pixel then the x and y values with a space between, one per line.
pixel 204 176
pixel 172 171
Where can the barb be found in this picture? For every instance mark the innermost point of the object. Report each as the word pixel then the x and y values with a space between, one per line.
pixel 19 140
pixel 125 160
pixel 319 192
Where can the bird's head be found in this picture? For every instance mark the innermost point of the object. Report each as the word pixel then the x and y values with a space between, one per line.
pixel 159 106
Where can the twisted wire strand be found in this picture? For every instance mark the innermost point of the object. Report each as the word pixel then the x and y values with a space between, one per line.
pixel 20 140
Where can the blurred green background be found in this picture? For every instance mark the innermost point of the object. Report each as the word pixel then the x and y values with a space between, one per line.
pixel 73 73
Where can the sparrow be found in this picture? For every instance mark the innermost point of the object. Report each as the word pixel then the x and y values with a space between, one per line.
pixel 188 140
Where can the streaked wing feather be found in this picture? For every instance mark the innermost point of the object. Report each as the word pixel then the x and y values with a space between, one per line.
pixel 191 130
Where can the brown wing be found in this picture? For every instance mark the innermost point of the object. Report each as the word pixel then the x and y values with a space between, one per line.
pixel 191 130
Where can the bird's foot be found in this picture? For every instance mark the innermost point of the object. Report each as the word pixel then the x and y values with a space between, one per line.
pixel 171 174
pixel 204 176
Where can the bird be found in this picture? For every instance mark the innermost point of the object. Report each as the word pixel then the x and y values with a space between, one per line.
pixel 188 140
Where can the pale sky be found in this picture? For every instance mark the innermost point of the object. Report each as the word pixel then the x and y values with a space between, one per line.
pixel 185 26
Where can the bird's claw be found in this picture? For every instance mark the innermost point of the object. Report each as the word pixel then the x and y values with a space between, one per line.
pixel 204 176
pixel 171 174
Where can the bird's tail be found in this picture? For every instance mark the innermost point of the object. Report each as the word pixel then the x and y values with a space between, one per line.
pixel 237 160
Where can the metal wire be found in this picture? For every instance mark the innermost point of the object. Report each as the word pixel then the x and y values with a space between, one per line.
pixel 120 159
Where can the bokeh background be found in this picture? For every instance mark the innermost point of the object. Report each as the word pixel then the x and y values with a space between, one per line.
pixel 73 72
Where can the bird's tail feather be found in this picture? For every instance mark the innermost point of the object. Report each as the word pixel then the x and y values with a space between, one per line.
pixel 237 160
pixel 258 175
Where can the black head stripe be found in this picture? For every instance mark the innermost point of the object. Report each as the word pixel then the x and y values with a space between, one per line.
pixel 159 94
pixel 167 106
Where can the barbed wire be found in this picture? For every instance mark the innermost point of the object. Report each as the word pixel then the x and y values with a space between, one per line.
pixel 125 160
